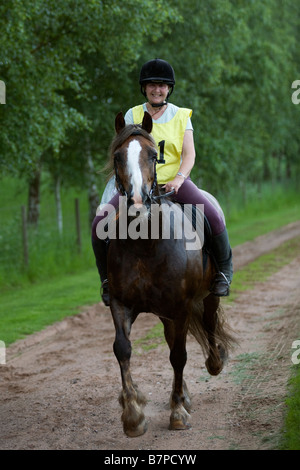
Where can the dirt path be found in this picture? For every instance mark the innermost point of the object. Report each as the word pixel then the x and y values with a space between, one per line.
pixel 59 387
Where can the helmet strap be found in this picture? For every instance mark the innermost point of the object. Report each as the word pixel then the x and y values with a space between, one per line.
pixel 159 105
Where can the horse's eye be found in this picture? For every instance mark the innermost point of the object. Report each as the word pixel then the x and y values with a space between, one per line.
pixel 153 155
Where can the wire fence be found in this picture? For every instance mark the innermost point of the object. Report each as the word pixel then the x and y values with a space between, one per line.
pixel 24 223
pixel 38 251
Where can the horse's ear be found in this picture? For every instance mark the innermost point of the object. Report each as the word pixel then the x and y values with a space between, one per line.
pixel 147 122
pixel 119 122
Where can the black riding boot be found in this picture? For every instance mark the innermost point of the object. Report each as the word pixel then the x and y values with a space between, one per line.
pixel 100 251
pixel 223 259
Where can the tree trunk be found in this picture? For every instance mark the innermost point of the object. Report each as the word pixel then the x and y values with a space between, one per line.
pixel 93 193
pixel 34 198
pixel 288 169
pixel 59 214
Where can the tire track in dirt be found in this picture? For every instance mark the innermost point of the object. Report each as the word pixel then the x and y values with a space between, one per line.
pixel 59 387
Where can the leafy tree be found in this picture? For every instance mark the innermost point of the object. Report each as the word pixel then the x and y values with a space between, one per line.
pixel 69 67
pixel 234 63
pixel 51 53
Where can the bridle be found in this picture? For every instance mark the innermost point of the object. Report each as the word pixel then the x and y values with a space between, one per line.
pixel 122 190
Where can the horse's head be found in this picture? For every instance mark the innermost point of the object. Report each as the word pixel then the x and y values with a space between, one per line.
pixel 134 156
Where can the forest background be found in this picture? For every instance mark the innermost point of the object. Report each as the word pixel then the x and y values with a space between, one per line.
pixel 69 67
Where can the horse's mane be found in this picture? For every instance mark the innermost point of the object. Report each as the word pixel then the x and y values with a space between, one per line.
pixel 125 133
pixel 120 138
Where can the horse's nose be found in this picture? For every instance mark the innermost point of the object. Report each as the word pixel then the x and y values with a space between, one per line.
pixel 135 198
pixel 139 199
pixel 138 205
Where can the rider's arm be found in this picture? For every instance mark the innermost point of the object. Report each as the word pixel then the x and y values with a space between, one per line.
pixel 188 161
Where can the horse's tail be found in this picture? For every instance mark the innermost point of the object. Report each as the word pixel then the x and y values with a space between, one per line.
pixel 221 335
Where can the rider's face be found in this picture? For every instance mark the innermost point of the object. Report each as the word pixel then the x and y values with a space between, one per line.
pixel 156 92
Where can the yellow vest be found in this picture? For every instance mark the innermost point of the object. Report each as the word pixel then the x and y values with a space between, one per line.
pixel 169 139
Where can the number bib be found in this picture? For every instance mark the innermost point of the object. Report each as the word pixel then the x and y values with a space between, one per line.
pixel 169 139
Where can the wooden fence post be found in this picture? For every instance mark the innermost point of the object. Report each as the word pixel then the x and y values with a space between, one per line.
pixel 77 215
pixel 25 237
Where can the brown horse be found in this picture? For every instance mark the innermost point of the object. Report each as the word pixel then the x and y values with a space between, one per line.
pixel 159 275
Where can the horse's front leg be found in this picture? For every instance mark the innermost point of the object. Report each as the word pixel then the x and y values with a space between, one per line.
pixel 131 399
pixel 180 401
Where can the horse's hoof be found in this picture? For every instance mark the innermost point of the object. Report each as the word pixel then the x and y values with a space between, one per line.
pixel 212 368
pixel 138 431
pixel 179 420
pixel 179 425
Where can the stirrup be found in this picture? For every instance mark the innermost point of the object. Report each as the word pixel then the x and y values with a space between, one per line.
pixel 104 292
pixel 220 285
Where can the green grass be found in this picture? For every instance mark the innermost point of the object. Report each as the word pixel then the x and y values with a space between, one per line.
pixel 291 432
pixel 151 340
pixel 50 254
pixel 248 226
pixel 259 270
pixel 32 308
pixel 272 208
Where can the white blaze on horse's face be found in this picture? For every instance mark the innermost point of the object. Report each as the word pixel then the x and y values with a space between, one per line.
pixel 134 171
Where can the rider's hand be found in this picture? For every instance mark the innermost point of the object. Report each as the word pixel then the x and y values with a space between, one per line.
pixel 174 184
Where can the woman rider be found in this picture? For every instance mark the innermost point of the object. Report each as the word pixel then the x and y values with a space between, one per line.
pixel 173 134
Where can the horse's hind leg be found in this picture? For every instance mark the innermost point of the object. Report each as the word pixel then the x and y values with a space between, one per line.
pixel 217 352
pixel 131 399
pixel 180 401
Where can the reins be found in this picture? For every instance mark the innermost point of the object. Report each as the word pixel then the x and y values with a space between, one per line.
pixel 161 196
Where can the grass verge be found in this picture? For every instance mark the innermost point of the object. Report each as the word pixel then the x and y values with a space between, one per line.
pixel 32 308
pixel 262 268
pixel 291 432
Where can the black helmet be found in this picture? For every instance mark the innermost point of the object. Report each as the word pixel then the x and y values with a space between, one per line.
pixel 157 70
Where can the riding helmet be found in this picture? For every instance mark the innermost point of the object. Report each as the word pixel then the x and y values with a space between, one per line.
pixel 157 70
